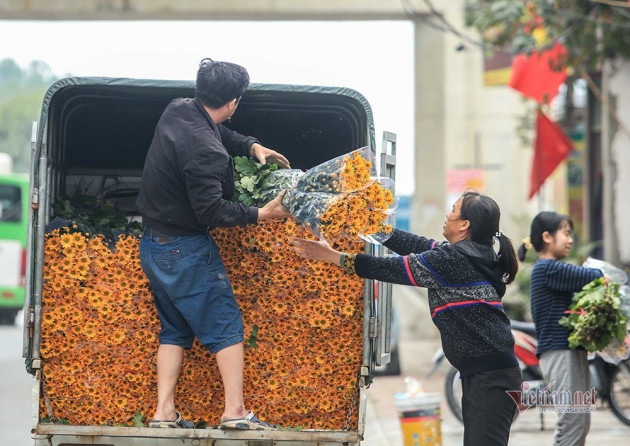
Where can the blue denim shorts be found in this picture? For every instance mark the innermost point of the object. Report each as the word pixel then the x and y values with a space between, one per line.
pixel 191 291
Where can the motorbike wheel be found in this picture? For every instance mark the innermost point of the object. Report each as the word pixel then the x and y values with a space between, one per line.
pixel 453 391
pixel 619 392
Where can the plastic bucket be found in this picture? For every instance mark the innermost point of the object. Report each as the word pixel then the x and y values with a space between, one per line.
pixel 420 419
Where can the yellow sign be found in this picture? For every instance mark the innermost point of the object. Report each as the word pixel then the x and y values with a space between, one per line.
pixel 497 69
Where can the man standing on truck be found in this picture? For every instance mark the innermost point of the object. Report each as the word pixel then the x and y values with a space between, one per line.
pixel 187 185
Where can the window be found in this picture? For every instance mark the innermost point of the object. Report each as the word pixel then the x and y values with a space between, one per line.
pixel 10 204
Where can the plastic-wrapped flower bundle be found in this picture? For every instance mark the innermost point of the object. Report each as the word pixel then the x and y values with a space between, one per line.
pixel 365 212
pixel 341 197
pixel 346 173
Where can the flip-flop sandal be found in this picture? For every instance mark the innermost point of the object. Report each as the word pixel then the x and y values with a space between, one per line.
pixel 249 422
pixel 177 423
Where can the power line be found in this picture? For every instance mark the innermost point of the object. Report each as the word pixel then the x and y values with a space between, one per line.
pixel 618 3
pixel 612 24
pixel 411 13
pixel 410 10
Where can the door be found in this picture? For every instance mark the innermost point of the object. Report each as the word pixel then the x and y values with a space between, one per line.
pixel 382 309
pixel 11 221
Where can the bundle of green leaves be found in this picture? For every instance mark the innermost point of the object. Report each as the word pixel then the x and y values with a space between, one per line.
pixel 98 214
pixel 249 178
pixel 594 317
pixel 256 184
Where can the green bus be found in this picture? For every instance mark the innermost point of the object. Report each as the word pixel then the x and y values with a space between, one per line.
pixel 14 189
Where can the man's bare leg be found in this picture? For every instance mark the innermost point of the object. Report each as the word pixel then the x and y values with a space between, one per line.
pixel 230 361
pixel 169 363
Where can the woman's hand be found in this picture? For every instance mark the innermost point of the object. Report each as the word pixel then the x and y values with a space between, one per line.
pixel 274 209
pixel 265 155
pixel 315 250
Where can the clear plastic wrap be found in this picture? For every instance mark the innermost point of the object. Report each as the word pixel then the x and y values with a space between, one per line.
pixel 309 207
pixel 389 220
pixel 346 173
pixel 616 351
pixel 624 295
pixel 617 275
pixel 276 182
pixel 341 197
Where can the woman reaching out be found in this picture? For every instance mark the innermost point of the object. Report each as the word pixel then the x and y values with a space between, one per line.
pixel 466 280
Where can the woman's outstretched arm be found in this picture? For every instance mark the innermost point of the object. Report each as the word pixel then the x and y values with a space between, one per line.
pixel 403 243
pixel 405 270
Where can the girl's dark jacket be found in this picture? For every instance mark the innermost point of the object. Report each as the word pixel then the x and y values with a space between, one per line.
pixel 465 291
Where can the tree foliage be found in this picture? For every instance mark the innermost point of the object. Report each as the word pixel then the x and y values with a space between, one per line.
pixel 591 31
pixel 20 104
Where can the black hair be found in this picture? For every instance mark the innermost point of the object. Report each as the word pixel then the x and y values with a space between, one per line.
pixel 545 221
pixel 220 82
pixel 484 214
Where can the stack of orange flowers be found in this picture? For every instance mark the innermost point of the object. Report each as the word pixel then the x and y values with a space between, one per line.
pixel 303 333
pixel 99 330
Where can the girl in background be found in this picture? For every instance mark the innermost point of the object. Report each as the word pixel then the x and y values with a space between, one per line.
pixel 553 284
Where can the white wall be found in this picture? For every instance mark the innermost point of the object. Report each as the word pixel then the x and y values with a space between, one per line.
pixel 619 83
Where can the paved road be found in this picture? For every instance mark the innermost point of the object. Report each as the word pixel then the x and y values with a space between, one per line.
pixel 15 389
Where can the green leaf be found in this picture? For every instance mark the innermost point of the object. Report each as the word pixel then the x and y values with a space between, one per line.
pixel 253 336
pixel 245 166
pixel 291 428
pixel 248 183
pixel 137 419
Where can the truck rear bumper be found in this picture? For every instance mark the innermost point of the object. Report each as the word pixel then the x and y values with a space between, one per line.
pixel 141 436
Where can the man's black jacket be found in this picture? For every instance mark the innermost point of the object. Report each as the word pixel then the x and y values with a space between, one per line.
pixel 188 176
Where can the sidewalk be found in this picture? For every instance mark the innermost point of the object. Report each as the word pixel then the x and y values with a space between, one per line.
pixel 417 344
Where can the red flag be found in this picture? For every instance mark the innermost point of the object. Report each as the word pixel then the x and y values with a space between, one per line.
pixel 552 145
pixel 538 76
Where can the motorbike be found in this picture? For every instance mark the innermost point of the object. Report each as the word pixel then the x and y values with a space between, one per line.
pixel 610 381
